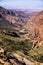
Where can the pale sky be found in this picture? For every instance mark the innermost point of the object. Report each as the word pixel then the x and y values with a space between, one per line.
pixel 22 4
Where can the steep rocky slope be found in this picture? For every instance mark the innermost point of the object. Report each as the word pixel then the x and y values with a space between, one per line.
pixel 39 25
pixel 35 25
pixel 15 17
pixel 34 29
pixel 38 29
pixel 14 20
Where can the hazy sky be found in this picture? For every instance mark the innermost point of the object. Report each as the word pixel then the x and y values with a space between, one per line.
pixel 22 4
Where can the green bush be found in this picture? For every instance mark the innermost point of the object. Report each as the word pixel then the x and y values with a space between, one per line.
pixel 37 54
pixel 13 43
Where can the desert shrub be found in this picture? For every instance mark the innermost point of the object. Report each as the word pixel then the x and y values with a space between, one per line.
pixel 37 54
pixel 20 53
pixel 13 44
pixel 1 43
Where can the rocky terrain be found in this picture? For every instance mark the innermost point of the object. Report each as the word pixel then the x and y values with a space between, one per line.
pixel 16 18
pixel 21 22
pixel 18 51
pixel 21 37
pixel 34 28
pixel 13 58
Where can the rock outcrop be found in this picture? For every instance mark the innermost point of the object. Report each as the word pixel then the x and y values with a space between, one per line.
pixel 38 29
pixel 13 59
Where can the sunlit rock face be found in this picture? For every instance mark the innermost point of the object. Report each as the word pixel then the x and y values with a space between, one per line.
pixel 39 25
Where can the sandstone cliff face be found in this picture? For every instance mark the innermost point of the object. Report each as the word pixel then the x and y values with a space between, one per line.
pixel 34 26
pixel 38 22
pixel 38 30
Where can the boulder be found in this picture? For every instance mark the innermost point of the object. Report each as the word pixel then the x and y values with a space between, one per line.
pixel 1 51
pixel 13 57
pixel 1 61
pixel 7 63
